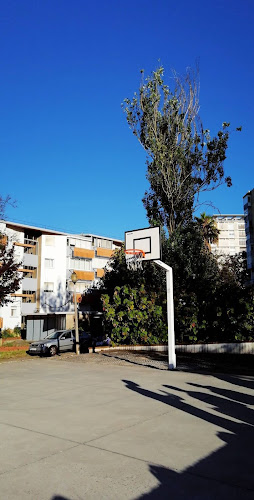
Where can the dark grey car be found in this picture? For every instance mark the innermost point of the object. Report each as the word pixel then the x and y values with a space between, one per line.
pixel 59 341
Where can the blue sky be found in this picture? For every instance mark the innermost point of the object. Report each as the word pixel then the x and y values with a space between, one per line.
pixel 67 155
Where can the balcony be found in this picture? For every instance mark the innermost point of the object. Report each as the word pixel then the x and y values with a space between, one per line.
pixel 104 252
pixel 30 260
pixel 28 308
pixel 83 253
pixel 29 284
pixel 100 273
pixel 85 275
pixel 28 273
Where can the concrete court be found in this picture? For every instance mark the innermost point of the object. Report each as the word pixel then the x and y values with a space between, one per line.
pixel 79 431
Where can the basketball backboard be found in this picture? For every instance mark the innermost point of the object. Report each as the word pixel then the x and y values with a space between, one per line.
pixel 147 240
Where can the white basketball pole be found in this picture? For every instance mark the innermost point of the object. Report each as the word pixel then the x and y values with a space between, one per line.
pixel 170 314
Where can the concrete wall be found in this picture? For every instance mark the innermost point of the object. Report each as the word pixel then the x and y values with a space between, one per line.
pixel 234 348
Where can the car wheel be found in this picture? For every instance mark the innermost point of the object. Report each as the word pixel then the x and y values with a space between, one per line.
pixel 52 350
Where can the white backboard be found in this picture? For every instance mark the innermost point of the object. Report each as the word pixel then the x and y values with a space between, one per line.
pixel 147 239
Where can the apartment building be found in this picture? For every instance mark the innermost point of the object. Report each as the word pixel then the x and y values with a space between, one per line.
pixel 248 206
pixel 232 236
pixel 47 259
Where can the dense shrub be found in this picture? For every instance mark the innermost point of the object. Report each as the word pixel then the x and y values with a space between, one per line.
pixel 133 317
pixel 8 332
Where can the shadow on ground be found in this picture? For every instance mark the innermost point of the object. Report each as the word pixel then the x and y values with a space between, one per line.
pixel 135 359
pixel 226 473
pixel 191 362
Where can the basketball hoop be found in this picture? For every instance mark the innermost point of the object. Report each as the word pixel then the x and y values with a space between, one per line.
pixel 134 259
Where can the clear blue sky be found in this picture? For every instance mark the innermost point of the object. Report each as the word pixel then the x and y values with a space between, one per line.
pixel 67 155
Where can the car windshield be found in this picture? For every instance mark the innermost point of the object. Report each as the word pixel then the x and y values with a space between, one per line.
pixel 54 335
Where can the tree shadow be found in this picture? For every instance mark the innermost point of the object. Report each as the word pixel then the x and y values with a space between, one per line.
pixel 61 301
pixel 149 365
pixel 225 473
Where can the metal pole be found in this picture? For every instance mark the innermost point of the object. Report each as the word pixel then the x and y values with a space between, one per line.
pixel 170 314
pixel 171 329
pixel 76 321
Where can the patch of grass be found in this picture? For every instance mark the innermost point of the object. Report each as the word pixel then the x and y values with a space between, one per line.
pixel 14 342
pixel 12 355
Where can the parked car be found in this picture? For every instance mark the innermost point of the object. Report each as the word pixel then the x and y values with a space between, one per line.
pixel 59 341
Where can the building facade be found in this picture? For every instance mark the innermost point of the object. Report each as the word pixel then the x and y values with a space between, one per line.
pixel 232 236
pixel 47 259
pixel 248 206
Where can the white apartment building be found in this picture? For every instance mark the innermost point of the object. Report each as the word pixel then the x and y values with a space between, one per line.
pixel 232 236
pixel 248 206
pixel 47 258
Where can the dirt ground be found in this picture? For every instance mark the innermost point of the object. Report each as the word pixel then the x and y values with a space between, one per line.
pixel 199 363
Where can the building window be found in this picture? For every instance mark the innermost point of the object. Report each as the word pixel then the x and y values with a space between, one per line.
pixel 50 241
pixel 13 312
pixel 81 264
pixel 79 243
pixel 49 263
pixel 48 287
pixel 101 243
pixel 81 287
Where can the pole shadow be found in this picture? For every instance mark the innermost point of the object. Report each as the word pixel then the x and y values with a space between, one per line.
pixel 225 473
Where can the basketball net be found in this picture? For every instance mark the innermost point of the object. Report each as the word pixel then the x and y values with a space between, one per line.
pixel 134 259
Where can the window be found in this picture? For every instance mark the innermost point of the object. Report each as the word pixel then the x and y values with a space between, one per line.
pixel 48 287
pixel 13 312
pixel 49 263
pixel 101 243
pixel 50 241
pixel 80 286
pixel 81 264
pixel 67 335
pixel 80 243
pixel 85 286
pixel 242 234
pixel 242 243
pixel 231 234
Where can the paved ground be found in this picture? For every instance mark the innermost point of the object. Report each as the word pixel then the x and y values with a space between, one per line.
pixel 118 430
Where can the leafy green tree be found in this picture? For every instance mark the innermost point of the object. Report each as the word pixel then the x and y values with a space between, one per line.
pixel 196 273
pixel 234 300
pixel 183 159
pixel 211 300
pixel 9 276
pixel 208 228
pixel 132 317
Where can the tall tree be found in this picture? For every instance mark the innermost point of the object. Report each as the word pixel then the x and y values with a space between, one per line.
pixel 183 160
pixel 208 228
pixel 10 278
